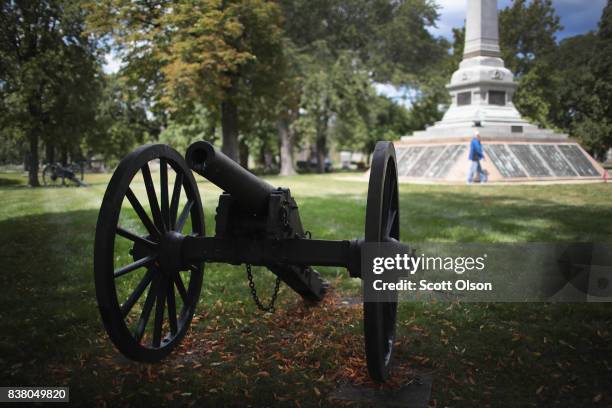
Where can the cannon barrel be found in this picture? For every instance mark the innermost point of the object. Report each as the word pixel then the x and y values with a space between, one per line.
pixel 251 192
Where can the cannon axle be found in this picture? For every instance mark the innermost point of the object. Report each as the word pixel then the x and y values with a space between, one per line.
pixel 297 252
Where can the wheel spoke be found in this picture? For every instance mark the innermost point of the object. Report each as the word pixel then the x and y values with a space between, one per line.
pixel 176 195
pixel 180 224
pixel 142 214
pixel 390 222
pixel 147 260
pixel 392 186
pixel 135 238
pixel 146 310
pixel 157 217
pixel 159 311
pixel 131 301
pixel 163 180
pixel 171 309
pixel 181 287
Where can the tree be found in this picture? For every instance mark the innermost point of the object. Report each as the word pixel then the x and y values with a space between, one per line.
pixel 388 41
pixel 390 37
pixel 121 121
pixel 220 54
pixel 387 121
pixel 291 81
pixel 432 96
pixel 602 61
pixel 48 78
pixel 527 33
pixel 528 43
pixel 183 131
pixel 592 119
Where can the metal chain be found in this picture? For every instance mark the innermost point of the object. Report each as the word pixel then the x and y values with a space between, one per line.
pixel 270 308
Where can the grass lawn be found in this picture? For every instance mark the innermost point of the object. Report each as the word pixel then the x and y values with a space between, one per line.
pixel 478 354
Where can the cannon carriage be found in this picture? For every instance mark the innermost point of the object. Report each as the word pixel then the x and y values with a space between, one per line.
pixel 256 224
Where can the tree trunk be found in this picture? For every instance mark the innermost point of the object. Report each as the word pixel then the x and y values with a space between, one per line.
pixel 266 159
pixel 244 154
pixel 229 124
pixel 321 152
pixel 49 152
pixel 287 139
pixel 33 162
pixel 64 156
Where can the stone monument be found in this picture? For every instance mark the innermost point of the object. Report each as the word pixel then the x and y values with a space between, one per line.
pixel 481 91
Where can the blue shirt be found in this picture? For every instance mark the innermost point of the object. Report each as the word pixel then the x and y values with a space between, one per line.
pixel 476 153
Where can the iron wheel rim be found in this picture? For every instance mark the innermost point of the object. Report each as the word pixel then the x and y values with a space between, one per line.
pixel 147 343
pixel 382 224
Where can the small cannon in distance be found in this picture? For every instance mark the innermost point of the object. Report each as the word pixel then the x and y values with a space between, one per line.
pixel 54 173
pixel 256 224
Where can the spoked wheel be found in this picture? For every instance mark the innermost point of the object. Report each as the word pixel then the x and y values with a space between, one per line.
pixel 51 176
pixel 382 224
pixel 145 294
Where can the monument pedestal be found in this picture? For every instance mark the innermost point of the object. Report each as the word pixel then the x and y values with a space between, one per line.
pixel 481 91
pixel 508 160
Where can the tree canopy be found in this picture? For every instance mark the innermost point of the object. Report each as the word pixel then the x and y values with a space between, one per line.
pixel 49 76
pixel 218 54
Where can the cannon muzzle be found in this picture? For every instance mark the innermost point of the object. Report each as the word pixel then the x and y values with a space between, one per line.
pixel 251 192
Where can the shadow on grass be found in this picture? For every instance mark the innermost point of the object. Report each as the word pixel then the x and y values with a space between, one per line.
pixel 47 311
pixel 7 182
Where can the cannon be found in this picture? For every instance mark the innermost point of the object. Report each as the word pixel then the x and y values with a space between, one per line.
pixel 54 173
pixel 158 265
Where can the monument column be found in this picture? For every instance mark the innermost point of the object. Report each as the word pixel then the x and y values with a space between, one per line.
pixel 482 29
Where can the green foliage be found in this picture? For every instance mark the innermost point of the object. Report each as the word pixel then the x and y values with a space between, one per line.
pixel 528 43
pixel 595 135
pixel 602 62
pixel 432 95
pixel 576 80
pixel 49 76
pixel 336 101
pixel 424 112
pixel 527 33
pixel 389 37
pixel 390 121
pixel 121 122
pixel 199 125
pixel 538 94
pixel 345 46
pixel 584 89
pixel 208 53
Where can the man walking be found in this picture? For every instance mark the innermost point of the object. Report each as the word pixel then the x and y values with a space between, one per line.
pixel 476 155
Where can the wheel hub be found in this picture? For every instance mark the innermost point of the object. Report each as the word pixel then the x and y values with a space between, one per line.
pixel 170 254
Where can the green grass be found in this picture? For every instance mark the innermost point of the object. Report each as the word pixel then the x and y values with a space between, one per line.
pixel 479 354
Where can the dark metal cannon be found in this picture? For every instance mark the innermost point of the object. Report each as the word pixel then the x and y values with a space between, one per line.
pixel 54 173
pixel 256 224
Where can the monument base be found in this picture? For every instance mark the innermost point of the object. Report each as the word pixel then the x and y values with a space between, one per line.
pixel 509 159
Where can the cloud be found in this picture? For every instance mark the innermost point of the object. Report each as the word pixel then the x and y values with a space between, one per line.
pixel 112 63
